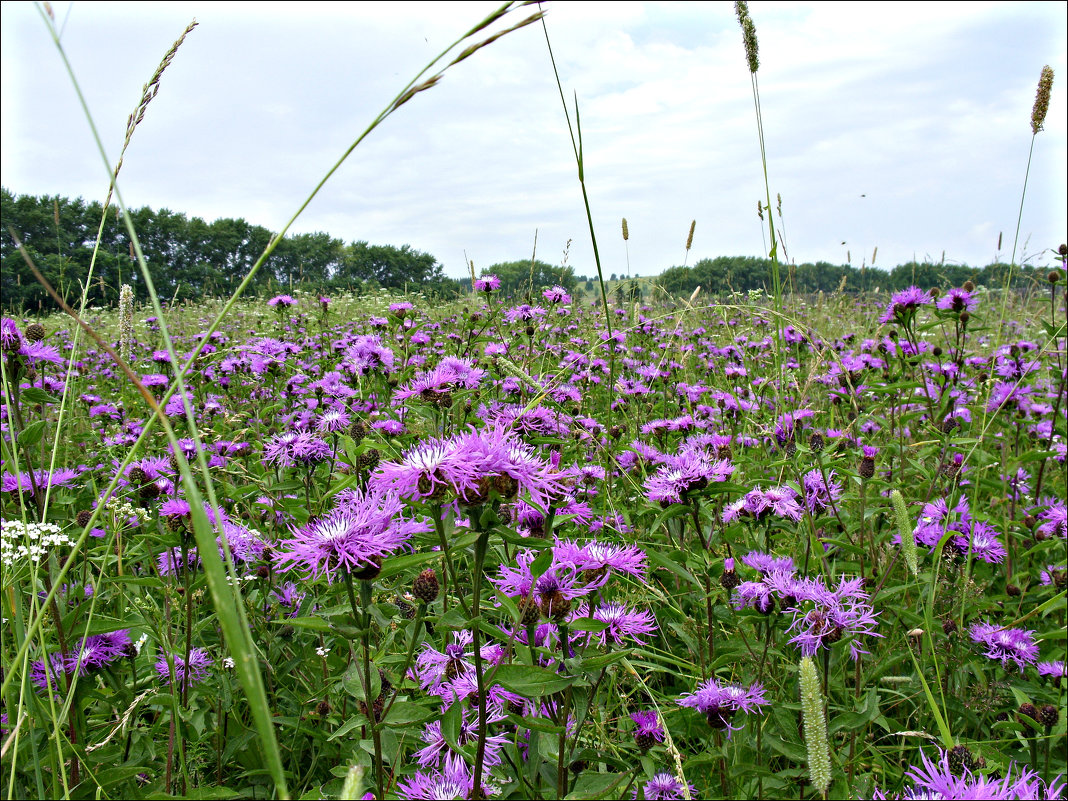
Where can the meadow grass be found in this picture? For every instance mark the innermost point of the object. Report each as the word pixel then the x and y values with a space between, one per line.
pixel 756 547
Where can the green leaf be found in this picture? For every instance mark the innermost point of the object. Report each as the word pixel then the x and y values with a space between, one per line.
pixel 31 434
pixel 353 683
pixel 401 564
pixel 540 564
pixel 596 785
pixel 313 623
pixel 404 713
pixel 530 681
pixel 37 395
pixel 666 562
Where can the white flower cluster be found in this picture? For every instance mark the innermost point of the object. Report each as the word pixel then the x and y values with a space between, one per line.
pixel 20 541
pixel 140 643
pixel 124 511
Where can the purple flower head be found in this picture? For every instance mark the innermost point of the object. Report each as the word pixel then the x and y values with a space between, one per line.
pixel 647 724
pixel 1006 645
pixel 355 537
pixel 820 494
pixel 283 301
pixel 665 787
pixel 598 556
pixel 436 669
pixel 94 652
pixel 690 471
pixel 822 617
pixel 437 747
pixel 719 702
pixel 904 305
pixel 982 543
pixel 766 563
pixel 758 504
pixel 10 338
pixel 556 294
pixel 958 300
pixel 196 668
pixel 1054 519
pixel 1058 670
pixel 454 780
pixel 620 622
pixel 487 283
pixel 936 778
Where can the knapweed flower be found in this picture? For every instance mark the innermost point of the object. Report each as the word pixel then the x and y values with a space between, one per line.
pixel 487 283
pixel 1006 645
pixel 621 623
pixel 355 538
pixel 282 301
pixel 553 591
pixel 595 558
pixel 665 787
pixel 647 729
pixel 435 669
pixel 10 337
pixel 821 494
pixel 196 669
pixel 556 294
pixel 719 702
pixel 936 778
pixel 454 780
pixel 94 652
pixel 1054 519
pixel 758 504
pixel 822 617
pixel 688 472
pixel 904 305
pixel 1057 670
pixel 957 300
pixel 437 747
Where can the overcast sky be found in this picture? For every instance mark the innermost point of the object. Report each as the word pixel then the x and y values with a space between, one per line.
pixel 902 126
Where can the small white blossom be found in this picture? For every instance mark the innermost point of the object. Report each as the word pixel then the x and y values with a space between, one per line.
pixel 228 662
pixel 322 651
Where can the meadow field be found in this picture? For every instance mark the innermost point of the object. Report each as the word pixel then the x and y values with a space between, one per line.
pixel 627 545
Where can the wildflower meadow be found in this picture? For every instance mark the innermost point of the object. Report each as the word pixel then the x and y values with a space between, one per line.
pixel 549 544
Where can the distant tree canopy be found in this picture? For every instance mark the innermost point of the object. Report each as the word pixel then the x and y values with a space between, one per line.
pixel 188 257
pixel 521 277
pixel 745 273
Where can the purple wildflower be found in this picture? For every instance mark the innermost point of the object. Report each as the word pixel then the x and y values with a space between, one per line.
pixel 556 294
pixel 357 537
pixel 1016 645
pixel 823 616
pixel 454 780
pixel 285 301
pixel 904 305
pixel 821 494
pixel 598 556
pixel 937 779
pixel 719 702
pixel 10 337
pixel 435 669
pixel 1058 670
pixel 647 724
pixel 957 300
pixel 665 787
pixel 487 283
pixel 688 472
pixel 196 668
pixel 620 622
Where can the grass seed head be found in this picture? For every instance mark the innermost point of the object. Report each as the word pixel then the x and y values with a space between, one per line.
pixel 1038 112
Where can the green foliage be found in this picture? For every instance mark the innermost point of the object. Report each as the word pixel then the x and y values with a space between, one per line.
pixel 744 273
pixel 526 277
pixel 189 258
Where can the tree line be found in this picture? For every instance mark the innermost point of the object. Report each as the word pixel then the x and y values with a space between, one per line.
pixel 746 273
pixel 188 257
